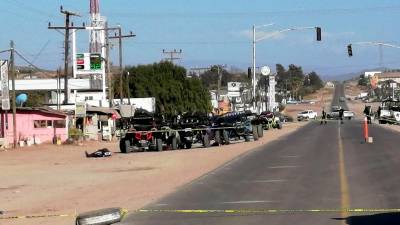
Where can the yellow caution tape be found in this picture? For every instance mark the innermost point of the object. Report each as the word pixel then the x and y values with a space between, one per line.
pixel 35 216
pixel 124 212
pixel 240 211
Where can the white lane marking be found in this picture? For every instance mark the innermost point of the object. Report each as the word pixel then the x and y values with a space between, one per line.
pixel 247 202
pixel 161 204
pixel 265 181
pixel 282 167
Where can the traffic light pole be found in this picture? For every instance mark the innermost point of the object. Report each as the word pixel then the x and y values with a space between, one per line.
pixel 255 40
pixel 371 43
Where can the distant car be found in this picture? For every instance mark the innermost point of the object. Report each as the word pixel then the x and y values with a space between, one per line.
pixel 335 114
pixel 348 115
pixel 336 108
pixel 342 99
pixel 306 115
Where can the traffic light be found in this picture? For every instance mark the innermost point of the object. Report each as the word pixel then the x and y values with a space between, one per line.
pixel 319 35
pixel 350 50
pixel 249 74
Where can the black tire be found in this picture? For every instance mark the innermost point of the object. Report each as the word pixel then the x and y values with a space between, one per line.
pixel 260 131
pixel 159 144
pixel 124 145
pixel 255 133
pixel 188 145
pixel 279 125
pixel 225 135
pixel 217 138
pixel 206 141
pixel 247 138
pixel 174 143
pixel 104 212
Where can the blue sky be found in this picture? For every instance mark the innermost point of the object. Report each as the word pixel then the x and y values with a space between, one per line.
pixel 217 31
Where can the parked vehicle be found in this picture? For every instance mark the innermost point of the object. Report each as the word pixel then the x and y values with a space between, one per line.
pixel 147 132
pixel 236 125
pixel 192 128
pixel 389 111
pixel 272 120
pixel 306 115
pixel 334 114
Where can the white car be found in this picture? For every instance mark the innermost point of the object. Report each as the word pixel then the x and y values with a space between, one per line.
pixel 306 115
pixel 348 115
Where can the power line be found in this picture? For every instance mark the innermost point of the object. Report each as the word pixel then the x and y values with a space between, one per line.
pixel 377 9
pixel 22 5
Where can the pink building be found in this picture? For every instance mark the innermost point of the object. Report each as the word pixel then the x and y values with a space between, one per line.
pixel 39 125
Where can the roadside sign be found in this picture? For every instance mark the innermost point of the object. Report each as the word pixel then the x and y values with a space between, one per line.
pixel 80 109
pixel 89 63
pixel 5 92
pixel 265 70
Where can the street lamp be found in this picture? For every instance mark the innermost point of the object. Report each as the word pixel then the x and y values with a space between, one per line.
pixel 274 33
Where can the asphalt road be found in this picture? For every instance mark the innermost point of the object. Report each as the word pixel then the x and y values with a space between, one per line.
pixel 317 167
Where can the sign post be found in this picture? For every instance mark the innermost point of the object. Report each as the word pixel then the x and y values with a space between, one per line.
pixel 5 92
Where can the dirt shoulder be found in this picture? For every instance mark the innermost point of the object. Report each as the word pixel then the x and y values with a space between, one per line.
pixel 51 179
pixel 321 99
pixel 357 106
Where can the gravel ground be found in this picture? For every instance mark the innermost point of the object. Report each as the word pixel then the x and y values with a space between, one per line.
pixel 50 179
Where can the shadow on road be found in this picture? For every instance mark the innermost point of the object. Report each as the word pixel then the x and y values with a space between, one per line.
pixel 377 219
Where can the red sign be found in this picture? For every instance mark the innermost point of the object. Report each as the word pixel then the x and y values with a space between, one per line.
pixel 80 61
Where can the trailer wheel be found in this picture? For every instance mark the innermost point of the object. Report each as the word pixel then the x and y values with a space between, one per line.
pixel 260 131
pixel 217 137
pixel 174 144
pixel 159 145
pixel 225 134
pixel 206 141
pixel 255 133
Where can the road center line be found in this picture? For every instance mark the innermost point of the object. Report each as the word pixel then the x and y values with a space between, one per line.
pixel 344 187
pixel 290 156
pixel 264 181
pixel 248 202
pixel 282 167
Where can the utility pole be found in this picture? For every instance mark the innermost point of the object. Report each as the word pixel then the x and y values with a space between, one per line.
pixel 68 26
pixel 172 55
pixel 219 67
pixel 254 67
pixel 127 88
pixel 14 104
pixel 121 71
pixel 110 84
